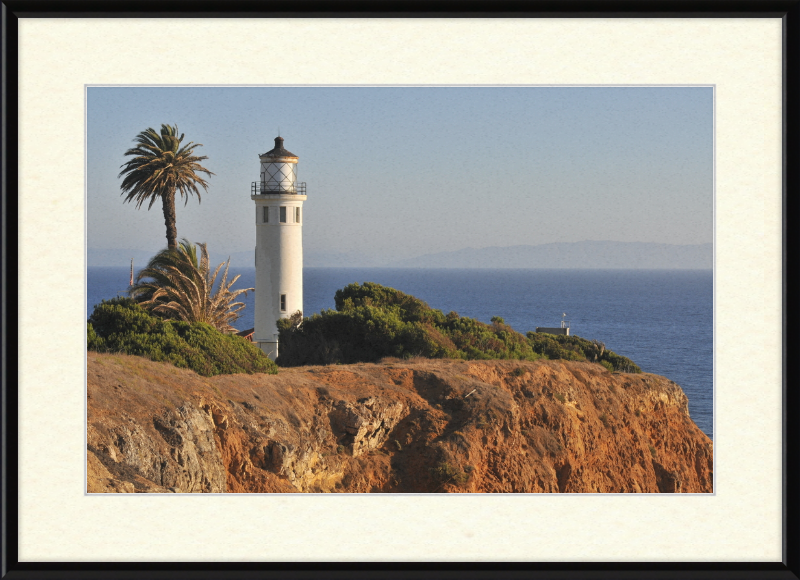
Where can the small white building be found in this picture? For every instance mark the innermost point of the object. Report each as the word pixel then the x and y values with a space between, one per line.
pixel 563 329
pixel 279 244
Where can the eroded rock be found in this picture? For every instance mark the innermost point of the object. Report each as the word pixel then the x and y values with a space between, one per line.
pixel 422 426
pixel 365 424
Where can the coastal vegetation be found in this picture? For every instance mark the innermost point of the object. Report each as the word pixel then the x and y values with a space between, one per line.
pixel 559 346
pixel 174 317
pixel 161 167
pixel 373 321
pixel 121 325
pixel 179 312
pixel 178 284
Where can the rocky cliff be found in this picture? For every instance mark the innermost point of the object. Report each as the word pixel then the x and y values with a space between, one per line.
pixel 395 426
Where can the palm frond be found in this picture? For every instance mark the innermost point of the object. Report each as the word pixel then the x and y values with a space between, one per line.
pixel 160 166
pixel 178 284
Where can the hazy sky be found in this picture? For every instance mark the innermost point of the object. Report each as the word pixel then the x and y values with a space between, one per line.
pixel 395 172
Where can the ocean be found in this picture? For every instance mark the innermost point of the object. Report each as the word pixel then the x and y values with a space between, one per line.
pixel 661 319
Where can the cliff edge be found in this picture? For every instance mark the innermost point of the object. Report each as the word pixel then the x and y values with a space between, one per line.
pixel 396 426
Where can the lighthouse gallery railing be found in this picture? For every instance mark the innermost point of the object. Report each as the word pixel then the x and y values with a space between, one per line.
pixel 265 187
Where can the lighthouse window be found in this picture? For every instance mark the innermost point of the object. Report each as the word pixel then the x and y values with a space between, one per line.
pixel 266 214
pixel 297 215
pixel 283 214
pixel 283 302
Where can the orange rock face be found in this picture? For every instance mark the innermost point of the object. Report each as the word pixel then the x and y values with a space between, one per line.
pixel 397 426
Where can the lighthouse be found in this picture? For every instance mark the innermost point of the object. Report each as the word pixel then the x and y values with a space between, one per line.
pixel 279 244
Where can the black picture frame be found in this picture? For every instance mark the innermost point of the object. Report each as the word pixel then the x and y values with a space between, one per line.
pixel 13 10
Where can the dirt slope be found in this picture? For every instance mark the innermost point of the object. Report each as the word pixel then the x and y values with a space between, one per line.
pixel 395 426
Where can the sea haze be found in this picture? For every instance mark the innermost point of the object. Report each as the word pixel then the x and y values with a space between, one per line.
pixel 591 255
pixel 586 255
pixel 661 319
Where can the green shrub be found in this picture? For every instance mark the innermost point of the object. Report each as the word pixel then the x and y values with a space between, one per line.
pixel 621 363
pixel 120 325
pixel 373 321
pixel 447 473
pixel 560 346
pixel 561 398
pixel 553 346
pixel 93 341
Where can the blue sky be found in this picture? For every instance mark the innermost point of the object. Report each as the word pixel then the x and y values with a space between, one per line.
pixel 396 172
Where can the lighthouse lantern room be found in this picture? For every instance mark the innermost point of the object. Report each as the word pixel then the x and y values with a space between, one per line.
pixel 279 244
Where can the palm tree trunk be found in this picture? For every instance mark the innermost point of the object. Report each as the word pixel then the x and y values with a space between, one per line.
pixel 168 204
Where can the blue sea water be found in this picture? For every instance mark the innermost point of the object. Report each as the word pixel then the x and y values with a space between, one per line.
pixel 661 319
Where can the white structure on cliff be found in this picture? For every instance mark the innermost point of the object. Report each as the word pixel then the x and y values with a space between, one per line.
pixel 279 244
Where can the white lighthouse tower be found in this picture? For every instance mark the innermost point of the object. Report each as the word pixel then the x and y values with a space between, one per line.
pixel 279 244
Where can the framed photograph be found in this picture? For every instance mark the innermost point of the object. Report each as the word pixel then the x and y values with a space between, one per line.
pixel 82 81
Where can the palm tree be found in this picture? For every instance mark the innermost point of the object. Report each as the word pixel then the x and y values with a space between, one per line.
pixel 160 167
pixel 178 285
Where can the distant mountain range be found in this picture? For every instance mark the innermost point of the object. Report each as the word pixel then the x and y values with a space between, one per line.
pixel 340 260
pixel 567 255
pixel 572 255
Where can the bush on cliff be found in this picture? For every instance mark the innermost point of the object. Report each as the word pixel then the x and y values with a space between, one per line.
pixel 373 321
pixel 559 346
pixel 121 325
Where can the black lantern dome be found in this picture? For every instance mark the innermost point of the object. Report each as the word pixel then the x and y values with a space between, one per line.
pixel 279 150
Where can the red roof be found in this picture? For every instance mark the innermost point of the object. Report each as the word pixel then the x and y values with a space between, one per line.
pixel 248 334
